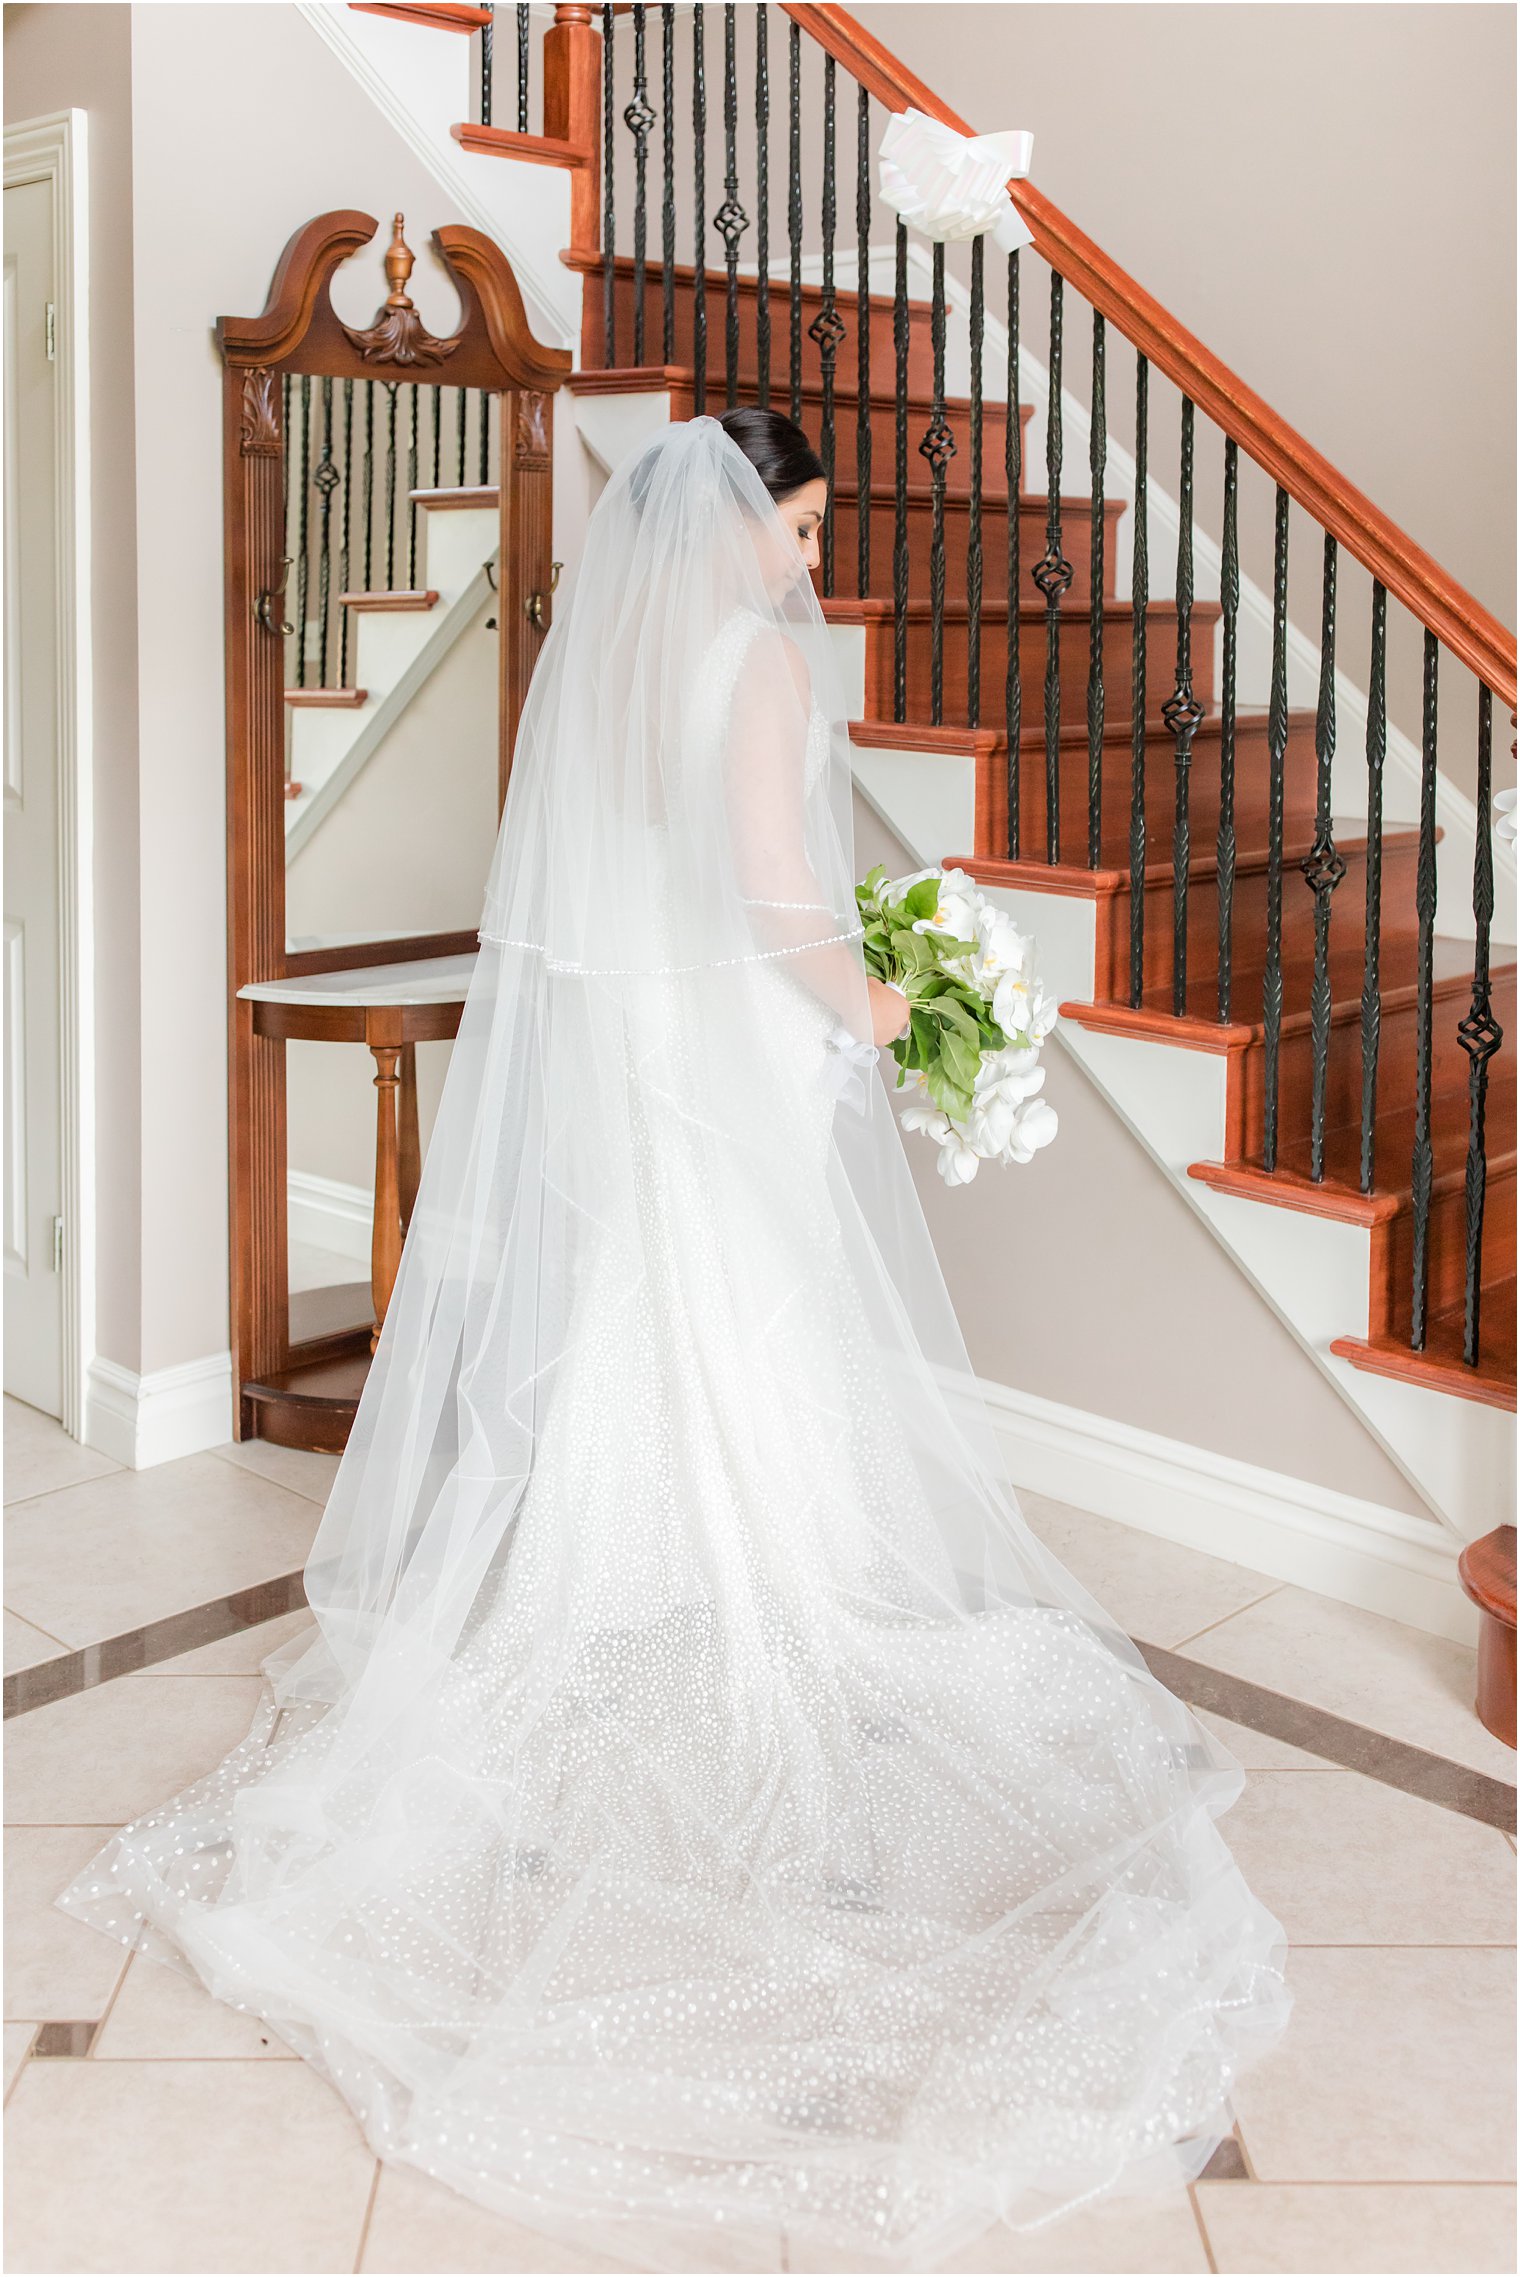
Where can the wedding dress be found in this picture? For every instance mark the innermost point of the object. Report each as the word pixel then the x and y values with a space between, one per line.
pixel 701 1802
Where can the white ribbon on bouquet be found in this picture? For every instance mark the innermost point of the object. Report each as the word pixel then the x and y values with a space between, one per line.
pixel 950 186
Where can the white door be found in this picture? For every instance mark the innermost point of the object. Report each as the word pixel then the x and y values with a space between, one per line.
pixel 33 1170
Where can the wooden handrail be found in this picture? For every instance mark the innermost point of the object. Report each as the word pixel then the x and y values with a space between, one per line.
pixel 1459 621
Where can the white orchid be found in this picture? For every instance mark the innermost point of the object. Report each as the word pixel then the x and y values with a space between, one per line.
pixel 1036 1127
pixel 958 1163
pixel 1504 817
pixel 956 911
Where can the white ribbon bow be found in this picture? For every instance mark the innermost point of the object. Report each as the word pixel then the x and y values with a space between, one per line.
pixel 847 1063
pixel 949 186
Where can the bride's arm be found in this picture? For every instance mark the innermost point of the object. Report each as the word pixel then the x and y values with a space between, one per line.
pixel 767 773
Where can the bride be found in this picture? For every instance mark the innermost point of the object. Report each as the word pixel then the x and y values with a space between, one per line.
pixel 701 1803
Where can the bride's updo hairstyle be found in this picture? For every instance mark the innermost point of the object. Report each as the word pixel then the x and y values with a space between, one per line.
pixel 778 451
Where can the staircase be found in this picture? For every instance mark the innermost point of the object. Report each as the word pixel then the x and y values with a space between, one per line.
pixel 1276 947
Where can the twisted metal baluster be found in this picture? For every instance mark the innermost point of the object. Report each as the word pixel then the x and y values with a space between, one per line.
pixel 863 342
pixel 411 485
pixel 1229 601
pixel 974 516
pixel 730 220
pixel 699 216
pixel 1097 460
pixel 1480 1035
pixel 900 340
pixel 938 447
pixel 668 183
pixel 1139 597
pixel 1013 478
pixel 639 119
pixel 522 70
pixel 485 440
pixel 1323 868
pixel 392 401
pixel 303 499
pixel 461 415
pixel 369 484
pixel 437 434
pixel 762 206
pixel 1277 749
pixel 326 478
pixel 609 176
pixel 827 328
pixel 1182 712
pixel 1422 1166
pixel 345 528
pixel 1372 992
pixel 487 44
pixel 1052 574
pixel 794 211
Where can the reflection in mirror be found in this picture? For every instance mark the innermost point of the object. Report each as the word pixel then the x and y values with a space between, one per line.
pixel 392 530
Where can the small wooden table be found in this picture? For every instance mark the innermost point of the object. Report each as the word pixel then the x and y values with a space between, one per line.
pixel 391 1009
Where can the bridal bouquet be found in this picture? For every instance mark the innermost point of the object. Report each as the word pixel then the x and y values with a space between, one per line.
pixel 978 1017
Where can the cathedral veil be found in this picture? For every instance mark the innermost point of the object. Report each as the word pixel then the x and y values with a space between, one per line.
pixel 701 1799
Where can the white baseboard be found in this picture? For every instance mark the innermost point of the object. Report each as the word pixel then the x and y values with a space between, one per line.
pixel 324 1213
pixel 1362 1553
pixel 143 1420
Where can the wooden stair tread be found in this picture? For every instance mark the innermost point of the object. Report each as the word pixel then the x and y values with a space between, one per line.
pixel 506 142
pixel 842 610
pixel 1440 1366
pixel 480 494
pixel 439 16
pixel 327 699
pixel 398 600
pixel 1451 964
pixel 673 379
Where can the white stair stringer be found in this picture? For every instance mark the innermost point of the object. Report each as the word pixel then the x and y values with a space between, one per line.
pixel 395 652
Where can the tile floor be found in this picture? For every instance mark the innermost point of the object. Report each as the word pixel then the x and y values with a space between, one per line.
pixel 150 2129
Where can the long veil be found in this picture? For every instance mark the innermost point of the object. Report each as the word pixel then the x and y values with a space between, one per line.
pixel 701 1803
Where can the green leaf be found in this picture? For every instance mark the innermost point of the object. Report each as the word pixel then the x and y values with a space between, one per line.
pixel 922 900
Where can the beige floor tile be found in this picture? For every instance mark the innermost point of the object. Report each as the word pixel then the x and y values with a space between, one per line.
pixel 18 2038
pixel 1429 2230
pixel 54 1967
pixel 25 1646
pixel 161 2013
pixel 92 1561
pixel 1257 1750
pixel 419 2228
pixel 296 1467
pixel 239 1655
pixel 1156 1590
pixel 1363 1666
pixel 1157 2234
pixel 169 2167
pixel 1397 2065
pixel 1343 1860
pixel 110 1754
pixel 40 1455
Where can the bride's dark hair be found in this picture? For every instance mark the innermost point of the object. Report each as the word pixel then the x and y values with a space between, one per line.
pixel 778 451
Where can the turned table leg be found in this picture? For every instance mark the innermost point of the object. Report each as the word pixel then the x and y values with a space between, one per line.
pixel 410 1140
pixel 385 1242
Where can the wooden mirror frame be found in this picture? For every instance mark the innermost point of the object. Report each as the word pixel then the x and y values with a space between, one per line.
pixel 493 350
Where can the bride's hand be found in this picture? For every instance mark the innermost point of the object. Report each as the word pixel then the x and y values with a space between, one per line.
pixel 889 1011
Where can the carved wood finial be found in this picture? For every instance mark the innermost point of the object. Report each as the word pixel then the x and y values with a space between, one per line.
pixel 398 334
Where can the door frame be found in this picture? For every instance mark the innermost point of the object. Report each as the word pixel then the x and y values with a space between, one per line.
pixel 54 149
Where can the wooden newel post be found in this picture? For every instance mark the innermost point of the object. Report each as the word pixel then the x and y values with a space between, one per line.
pixel 573 113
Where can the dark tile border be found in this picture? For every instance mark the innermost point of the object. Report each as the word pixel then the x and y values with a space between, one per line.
pixel 72 1672
pixel 1351 1746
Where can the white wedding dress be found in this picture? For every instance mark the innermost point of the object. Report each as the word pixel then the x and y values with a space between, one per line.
pixel 704 1805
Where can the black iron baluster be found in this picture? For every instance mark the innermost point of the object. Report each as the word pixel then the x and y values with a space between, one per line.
pixel 522 70
pixel 487 44
pixel 1323 868
pixel 1182 712
pixel 639 118
pixel 1479 1034
pixel 974 512
pixel 1052 574
pixel 1422 1167
pixel 668 198
pixel 345 527
pixel 437 394
pixel 699 221
pixel 1229 601
pixel 303 568
pixel 1097 461
pixel 862 341
pixel 794 209
pixel 609 177
pixel 461 410
pixel 827 328
pixel 411 505
pixel 1139 600
pixel 1277 749
pixel 938 447
pixel 392 395
pixel 369 484
pixel 731 220
pixel 762 206
pixel 1372 994
pixel 485 439
pixel 325 479
pixel 1013 472
pixel 900 338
